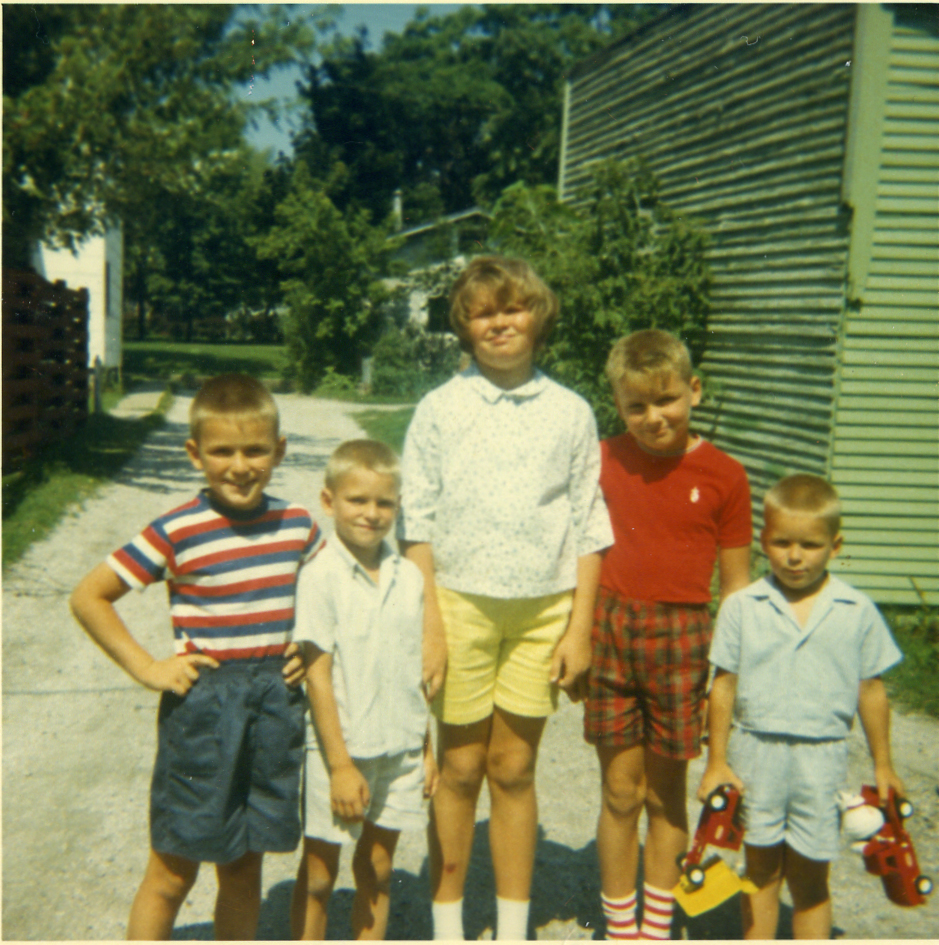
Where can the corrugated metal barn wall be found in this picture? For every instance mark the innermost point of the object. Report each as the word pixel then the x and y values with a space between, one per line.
pixel 741 111
pixel 885 455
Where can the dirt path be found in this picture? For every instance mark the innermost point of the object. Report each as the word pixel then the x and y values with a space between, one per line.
pixel 78 744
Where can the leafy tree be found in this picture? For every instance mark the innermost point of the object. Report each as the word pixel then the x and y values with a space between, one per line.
pixel 107 108
pixel 455 108
pixel 620 261
pixel 191 260
pixel 330 266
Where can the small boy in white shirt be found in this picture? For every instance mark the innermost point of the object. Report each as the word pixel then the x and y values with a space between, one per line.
pixel 360 619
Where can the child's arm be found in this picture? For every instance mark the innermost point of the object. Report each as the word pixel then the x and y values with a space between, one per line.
pixel 720 715
pixel 733 566
pixel 348 789
pixel 572 655
pixel 874 711
pixel 431 771
pixel 434 646
pixel 92 604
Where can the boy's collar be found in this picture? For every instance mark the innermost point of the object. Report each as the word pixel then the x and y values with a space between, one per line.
pixel 339 546
pixel 492 392
pixel 835 589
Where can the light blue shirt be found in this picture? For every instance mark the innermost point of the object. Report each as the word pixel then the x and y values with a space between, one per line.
pixel 504 485
pixel 374 634
pixel 801 681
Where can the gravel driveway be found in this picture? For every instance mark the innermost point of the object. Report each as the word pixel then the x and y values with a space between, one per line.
pixel 79 736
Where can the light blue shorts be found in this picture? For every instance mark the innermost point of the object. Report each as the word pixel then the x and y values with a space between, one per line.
pixel 396 786
pixel 790 789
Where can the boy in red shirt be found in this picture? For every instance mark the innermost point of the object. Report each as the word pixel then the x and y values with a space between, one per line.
pixel 677 504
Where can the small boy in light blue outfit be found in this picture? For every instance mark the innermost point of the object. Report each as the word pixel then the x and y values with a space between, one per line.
pixel 360 618
pixel 796 655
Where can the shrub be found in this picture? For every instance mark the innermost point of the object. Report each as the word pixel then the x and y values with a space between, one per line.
pixel 409 362
pixel 620 261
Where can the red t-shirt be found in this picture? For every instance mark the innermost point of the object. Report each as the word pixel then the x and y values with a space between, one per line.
pixel 670 515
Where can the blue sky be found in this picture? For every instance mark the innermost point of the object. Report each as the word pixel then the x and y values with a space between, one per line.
pixel 379 18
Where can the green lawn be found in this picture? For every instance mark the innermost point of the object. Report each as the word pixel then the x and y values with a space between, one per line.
pixel 913 682
pixel 389 426
pixel 161 360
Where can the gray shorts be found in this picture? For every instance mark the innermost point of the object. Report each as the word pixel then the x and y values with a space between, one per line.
pixel 227 774
pixel 791 787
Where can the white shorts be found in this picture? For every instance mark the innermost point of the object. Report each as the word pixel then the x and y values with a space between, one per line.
pixel 396 786
pixel 791 790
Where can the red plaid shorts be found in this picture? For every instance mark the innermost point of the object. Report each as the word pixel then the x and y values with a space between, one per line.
pixel 648 678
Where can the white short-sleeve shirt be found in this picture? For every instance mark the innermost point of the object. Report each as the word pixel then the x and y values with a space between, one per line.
pixel 374 634
pixel 504 485
pixel 794 680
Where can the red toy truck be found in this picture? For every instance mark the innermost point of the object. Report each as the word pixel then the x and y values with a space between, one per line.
pixel 720 825
pixel 889 853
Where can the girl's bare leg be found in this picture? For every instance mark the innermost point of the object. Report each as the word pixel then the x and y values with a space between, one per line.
pixel 462 757
pixel 513 821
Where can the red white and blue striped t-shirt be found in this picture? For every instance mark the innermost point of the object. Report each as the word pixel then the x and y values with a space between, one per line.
pixel 231 577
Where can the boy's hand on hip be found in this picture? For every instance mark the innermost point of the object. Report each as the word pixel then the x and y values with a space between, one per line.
pixel 348 792
pixel 177 674
pixel 571 665
pixel 294 671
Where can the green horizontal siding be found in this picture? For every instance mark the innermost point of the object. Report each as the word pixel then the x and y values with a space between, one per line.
pixel 748 139
pixel 885 452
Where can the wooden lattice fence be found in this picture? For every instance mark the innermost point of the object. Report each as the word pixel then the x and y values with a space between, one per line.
pixel 45 363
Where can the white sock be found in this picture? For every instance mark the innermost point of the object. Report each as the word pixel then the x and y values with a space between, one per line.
pixel 657 907
pixel 448 920
pixel 511 920
pixel 620 916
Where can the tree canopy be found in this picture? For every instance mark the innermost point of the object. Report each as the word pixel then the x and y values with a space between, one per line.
pixel 107 108
pixel 453 109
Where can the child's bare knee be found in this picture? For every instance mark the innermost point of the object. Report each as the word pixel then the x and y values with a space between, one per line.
pixel 372 867
pixel 764 865
pixel 241 876
pixel 464 775
pixel 623 797
pixel 807 881
pixel 511 768
pixel 318 878
pixel 170 877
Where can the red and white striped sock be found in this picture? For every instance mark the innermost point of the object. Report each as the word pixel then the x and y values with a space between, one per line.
pixel 657 905
pixel 620 917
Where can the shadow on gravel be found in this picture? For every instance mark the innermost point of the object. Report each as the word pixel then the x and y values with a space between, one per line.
pixel 566 887
pixel 162 465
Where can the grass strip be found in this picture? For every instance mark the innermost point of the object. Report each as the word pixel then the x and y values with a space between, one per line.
pixel 913 682
pixel 388 426
pixel 166 359
pixel 36 497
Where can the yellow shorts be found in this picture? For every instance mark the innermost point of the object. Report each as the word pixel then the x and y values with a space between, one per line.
pixel 499 653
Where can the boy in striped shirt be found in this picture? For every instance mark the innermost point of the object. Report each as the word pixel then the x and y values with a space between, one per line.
pixel 225 784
